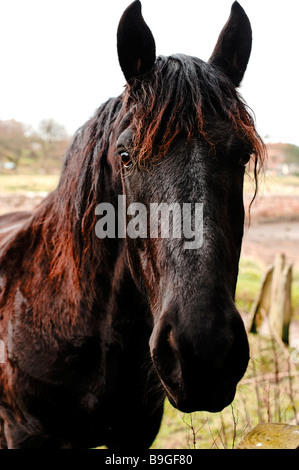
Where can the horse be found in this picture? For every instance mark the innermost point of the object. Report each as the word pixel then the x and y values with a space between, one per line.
pixel 99 330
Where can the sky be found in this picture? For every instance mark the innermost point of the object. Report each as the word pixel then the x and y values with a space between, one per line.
pixel 59 57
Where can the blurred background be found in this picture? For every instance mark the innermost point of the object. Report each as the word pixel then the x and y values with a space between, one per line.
pixel 59 63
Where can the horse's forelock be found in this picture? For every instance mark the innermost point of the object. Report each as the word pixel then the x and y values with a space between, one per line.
pixel 181 94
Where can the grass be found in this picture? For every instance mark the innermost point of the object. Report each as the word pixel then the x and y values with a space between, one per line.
pixel 249 279
pixel 273 185
pixel 13 183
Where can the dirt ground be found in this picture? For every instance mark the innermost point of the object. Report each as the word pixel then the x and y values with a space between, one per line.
pixel 264 240
pixel 273 229
pixel 19 202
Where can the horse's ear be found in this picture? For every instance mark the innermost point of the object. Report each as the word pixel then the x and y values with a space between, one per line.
pixel 233 48
pixel 135 43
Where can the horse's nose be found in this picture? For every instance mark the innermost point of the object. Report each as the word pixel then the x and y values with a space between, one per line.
pixel 165 354
pixel 199 366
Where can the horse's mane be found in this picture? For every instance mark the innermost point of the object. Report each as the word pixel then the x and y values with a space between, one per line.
pixel 183 94
pixel 66 217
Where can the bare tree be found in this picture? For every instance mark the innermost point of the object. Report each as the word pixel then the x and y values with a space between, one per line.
pixel 13 142
pixel 51 135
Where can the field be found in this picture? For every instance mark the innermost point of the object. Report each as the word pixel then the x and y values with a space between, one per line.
pixel 269 392
pixel 14 184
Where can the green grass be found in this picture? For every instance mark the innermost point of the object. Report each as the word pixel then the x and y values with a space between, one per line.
pixel 249 279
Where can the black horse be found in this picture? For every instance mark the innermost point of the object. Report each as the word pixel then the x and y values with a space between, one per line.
pixel 96 330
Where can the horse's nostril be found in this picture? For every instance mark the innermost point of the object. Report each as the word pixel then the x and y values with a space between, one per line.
pixel 165 355
pixel 171 340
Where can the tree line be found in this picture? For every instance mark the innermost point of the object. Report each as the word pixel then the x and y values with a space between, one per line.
pixel 23 149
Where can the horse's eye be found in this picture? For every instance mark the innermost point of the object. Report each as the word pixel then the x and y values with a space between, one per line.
pixel 245 159
pixel 126 160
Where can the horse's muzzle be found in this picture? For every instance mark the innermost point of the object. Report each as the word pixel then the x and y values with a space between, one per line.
pixel 200 367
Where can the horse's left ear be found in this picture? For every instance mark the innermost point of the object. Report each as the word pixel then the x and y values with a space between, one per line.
pixel 233 48
pixel 135 43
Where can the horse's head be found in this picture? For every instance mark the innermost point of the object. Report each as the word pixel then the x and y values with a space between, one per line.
pixel 183 141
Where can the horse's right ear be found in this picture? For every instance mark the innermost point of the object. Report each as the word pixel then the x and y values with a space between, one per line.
pixel 233 48
pixel 135 43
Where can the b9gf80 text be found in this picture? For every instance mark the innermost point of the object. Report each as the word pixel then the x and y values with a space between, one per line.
pixel 170 459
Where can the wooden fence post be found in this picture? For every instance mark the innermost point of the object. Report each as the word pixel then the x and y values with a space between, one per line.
pixel 272 310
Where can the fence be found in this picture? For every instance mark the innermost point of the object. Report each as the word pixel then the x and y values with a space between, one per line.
pixel 272 311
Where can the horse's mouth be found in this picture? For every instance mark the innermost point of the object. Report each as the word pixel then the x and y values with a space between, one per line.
pixel 189 401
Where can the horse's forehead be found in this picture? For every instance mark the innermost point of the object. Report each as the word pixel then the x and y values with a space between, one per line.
pixel 125 138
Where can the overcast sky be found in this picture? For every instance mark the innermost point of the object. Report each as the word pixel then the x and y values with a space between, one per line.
pixel 59 59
